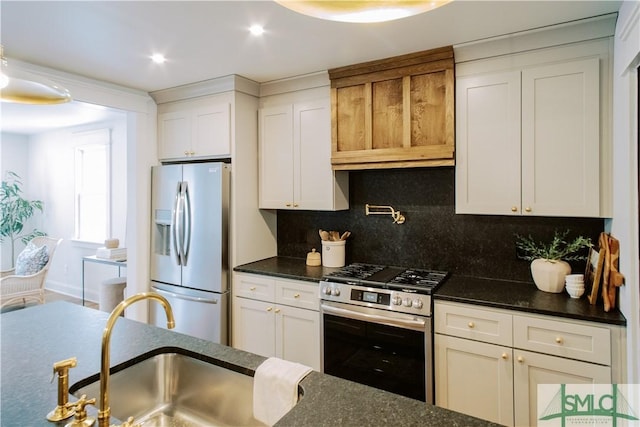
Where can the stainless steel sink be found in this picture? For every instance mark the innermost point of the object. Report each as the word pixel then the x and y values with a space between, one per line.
pixel 173 389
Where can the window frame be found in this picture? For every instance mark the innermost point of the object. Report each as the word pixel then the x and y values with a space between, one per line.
pixel 99 139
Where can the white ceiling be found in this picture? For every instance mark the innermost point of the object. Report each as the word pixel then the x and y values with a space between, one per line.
pixel 112 41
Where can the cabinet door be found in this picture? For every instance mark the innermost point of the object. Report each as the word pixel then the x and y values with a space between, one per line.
pixel 531 369
pixel 211 131
pixel 254 326
pixel 298 336
pixel 488 144
pixel 474 378
pixel 174 131
pixel 276 157
pixel 561 139
pixel 313 182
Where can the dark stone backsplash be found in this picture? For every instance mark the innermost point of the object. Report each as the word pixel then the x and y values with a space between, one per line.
pixel 433 236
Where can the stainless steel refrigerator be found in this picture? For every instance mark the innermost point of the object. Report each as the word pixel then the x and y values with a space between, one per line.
pixel 189 256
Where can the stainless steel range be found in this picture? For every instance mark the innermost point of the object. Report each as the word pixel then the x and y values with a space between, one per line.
pixel 377 328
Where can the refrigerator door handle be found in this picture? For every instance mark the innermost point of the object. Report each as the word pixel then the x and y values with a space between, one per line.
pixel 185 297
pixel 181 220
pixel 187 231
pixel 175 221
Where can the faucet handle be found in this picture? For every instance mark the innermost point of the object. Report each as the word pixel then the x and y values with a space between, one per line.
pixel 81 419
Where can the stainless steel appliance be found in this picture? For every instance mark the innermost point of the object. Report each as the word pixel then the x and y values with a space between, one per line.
pixel 189 208
pixel 377 327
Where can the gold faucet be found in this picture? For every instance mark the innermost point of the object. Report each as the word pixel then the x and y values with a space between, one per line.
pixel 104 414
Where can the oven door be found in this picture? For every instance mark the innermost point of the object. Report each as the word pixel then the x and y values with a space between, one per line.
pixel 387 350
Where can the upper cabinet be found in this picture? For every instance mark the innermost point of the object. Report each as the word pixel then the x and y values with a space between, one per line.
pixel 295 153
pixel 193 132
pixel 533 133
pixel 395 112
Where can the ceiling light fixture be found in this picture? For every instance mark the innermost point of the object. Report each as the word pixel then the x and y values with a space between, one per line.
pixel 25 88
pixel 256 30
pixel 356 11
pixel 158 58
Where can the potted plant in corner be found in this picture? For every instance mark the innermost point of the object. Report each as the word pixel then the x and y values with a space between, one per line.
pixel 549 265
pixel 16 210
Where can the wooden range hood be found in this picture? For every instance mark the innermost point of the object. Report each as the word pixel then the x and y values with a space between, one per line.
pixel 394 112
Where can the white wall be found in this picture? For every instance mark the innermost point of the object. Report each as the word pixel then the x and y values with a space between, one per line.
pixel 51 176
pixel 14 152
pixel 624 225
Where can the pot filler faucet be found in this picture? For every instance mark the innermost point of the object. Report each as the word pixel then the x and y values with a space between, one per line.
pixel 104 414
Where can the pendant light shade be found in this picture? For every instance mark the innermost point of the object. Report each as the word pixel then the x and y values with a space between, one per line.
pixel 26 88
pixel 361 11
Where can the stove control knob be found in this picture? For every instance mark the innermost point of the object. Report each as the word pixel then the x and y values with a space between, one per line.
pixel 335 292
pixel 417 303
pixel 407 302
pixel 396 300
pixel 327 290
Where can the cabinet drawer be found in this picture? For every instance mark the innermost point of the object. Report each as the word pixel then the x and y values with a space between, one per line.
pixel 298 294
pixel 255 287
pixel 476 324
pixel 561 338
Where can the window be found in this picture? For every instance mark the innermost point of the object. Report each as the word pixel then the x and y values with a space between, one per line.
pixel 92 186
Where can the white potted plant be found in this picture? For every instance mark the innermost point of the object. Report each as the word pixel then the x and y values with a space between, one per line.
pixel 549 265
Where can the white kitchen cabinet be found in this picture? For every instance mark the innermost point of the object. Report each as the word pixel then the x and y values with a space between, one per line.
pixel 195 132
pixel 529 142
pixel 533 127
pixel 489 362
pixel 531 369
pixel 276 317
pixel 474 378
pixel 295 158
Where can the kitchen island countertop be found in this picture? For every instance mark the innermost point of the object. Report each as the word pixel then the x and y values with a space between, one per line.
pixel 506 294
pixel 34 338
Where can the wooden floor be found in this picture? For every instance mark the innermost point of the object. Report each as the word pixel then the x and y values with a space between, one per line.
pixel 50 296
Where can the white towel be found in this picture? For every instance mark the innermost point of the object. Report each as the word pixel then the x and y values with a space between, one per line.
pixel 275 388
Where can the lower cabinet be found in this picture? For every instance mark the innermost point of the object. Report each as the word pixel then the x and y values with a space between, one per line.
pixel 276 317
pixel 489 362
pixel 474 378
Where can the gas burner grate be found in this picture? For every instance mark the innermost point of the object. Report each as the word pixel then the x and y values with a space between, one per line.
pixel 356 271
pixel 420 278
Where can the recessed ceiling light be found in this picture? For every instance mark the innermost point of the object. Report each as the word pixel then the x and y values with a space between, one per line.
pixel 256 30
pixel 158 58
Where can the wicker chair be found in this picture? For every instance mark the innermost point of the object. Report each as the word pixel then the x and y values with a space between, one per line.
pixel 22 288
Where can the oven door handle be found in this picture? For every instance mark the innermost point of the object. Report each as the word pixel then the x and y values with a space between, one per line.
pixel 415 324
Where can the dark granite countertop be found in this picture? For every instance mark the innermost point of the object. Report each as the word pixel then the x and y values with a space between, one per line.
pixel 34 338
pixel 524 296
pixel 286 267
